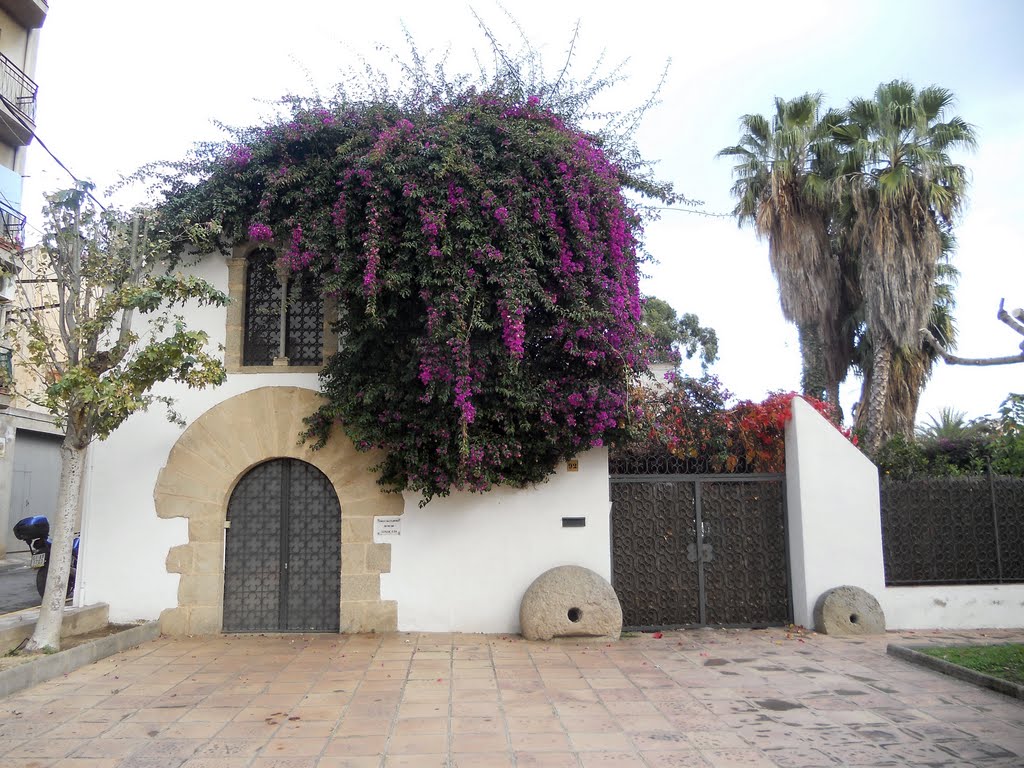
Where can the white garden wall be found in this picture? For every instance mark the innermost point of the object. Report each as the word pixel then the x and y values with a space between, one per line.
pixel 462 563
pixel 834 526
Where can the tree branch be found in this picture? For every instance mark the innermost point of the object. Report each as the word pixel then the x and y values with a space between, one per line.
pixel 954 360
pixel 1012 318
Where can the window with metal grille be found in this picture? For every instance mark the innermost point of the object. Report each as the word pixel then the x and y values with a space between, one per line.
pixel 298 312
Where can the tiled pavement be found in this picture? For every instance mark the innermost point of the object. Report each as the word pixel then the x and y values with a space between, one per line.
pixel 694 698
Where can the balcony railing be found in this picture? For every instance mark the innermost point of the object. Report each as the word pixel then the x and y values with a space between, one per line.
pixel 12 226
pixel 6 370
pixel 18 88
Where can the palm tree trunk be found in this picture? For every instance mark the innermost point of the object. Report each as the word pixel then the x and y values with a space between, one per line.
pixel 51 610
pixel 878 395
pixel 832 395
pixel 812 378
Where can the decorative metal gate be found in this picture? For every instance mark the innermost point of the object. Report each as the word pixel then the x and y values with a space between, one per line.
pixel 282 560
pixel 695 550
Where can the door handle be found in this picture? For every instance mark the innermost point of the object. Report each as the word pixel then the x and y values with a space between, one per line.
pixel 691 552
pixel 708 552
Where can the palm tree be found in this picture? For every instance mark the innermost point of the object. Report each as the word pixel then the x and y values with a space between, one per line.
pixel 912 367
pixel 783 189
pixel 905 192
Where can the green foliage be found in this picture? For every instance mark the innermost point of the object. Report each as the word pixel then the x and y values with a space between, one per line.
pixel 694 420
pixel 951 446
pixel 484 261
pixel 92 368
pixel 481 250
pixel 1003 661
pixel 1008 449
pixel 673 335
pixel 948 424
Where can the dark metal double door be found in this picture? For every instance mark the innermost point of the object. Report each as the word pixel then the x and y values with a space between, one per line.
pixel 282 558
pixel 700 550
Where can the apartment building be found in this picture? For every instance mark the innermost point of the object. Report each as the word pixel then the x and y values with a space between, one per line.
pixel 29 443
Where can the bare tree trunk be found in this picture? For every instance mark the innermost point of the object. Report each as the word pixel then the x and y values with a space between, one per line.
pixel 51 611
pixel 878 395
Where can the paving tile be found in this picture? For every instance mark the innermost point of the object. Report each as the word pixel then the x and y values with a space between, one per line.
pixel 527 759
pixel 481 760
pixel 230 702
pixel 675 759
pixel 418 744
pixel 540 742
pixel 920 753
pixel 416 761
pixel 495 741
pixel 345 746
pixel 799 757
pixel 293 747
pixel 705 740
pixel 736 758
pixel 349 762
pixel 611 760
pixel 982 752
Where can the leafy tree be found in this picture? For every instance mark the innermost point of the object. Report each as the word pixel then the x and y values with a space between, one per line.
pixel 673 336
pixel 906 192
pixel 482 251
pixel 92 368
pixel 782 188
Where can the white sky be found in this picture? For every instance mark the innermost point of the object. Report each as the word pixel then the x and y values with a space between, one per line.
pixel 123 82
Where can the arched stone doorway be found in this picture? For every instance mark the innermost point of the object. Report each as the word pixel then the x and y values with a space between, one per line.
pixel 207 463
pixel 282 555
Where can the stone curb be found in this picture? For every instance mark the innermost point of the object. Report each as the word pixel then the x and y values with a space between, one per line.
pixel 913 654
pixel 48 667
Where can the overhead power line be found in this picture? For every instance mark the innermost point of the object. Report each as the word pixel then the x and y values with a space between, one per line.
pixel 24 124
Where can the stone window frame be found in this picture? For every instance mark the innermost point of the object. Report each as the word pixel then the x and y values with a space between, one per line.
pixel 234 339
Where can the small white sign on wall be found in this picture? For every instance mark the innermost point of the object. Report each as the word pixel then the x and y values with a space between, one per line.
pixel 386 528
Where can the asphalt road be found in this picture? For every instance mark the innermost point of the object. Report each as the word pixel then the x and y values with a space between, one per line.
pixel 17 587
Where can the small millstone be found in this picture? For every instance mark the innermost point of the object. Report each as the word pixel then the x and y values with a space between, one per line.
pixel 570 601
pixel 848 611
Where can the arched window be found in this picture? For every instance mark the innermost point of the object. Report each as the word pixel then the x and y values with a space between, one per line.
pixel 280 324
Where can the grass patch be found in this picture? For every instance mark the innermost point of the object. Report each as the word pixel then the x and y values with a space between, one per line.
pixel 1003 661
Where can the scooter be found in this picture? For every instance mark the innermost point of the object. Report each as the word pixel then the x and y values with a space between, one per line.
pixel 35 531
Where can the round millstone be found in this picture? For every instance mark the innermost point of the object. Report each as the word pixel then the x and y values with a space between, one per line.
pixel 570 601
pixel 848 611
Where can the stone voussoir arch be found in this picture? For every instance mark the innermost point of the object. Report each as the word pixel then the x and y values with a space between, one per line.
pixel 209 459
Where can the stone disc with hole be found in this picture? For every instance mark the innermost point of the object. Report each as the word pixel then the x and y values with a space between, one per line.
pixel 570 601
pixel 848 611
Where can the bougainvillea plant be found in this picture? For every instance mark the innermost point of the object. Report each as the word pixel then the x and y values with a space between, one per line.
pixel 484 261
pixel 693 419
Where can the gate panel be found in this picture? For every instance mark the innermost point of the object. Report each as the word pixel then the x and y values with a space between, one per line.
pixel 735 572
pixel 652 528
pixel 282 557
pixel 252 552
pixel 744 558
pixel 314 552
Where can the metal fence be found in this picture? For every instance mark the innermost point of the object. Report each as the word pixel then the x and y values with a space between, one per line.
pixel 953 530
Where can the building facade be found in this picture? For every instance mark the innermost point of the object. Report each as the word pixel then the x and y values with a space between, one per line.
pixel 29 458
